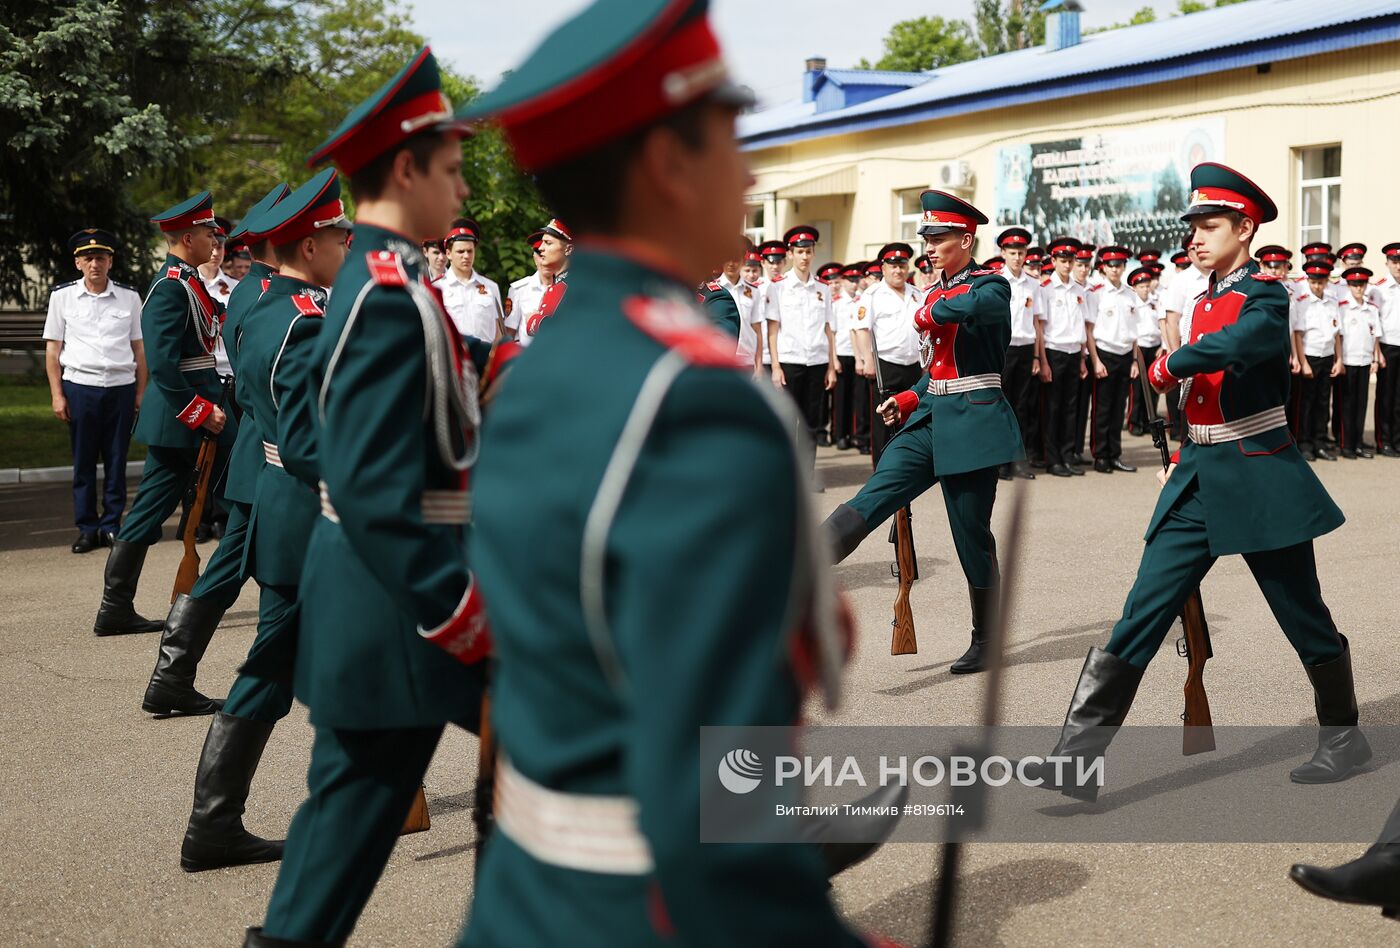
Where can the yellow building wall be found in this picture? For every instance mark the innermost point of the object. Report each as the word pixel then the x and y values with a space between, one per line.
pixel 1350 98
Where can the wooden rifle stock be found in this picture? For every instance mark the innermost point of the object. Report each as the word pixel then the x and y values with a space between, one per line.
pixel 417 820
pixel 1197 734
pixel 188 571
pixel 484 801
pixel 902 638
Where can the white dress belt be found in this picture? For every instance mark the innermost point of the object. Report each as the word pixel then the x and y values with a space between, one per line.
pixel 271 454
pixel 571 830
pixel 970 383
pixel 447 507
pixel 195 363
pixel 1248 427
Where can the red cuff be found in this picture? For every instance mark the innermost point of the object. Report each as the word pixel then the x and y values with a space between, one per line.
pixel 907 402
pixel 194 414
pixel 465 635
pixel 1160 376
pixel 1176 456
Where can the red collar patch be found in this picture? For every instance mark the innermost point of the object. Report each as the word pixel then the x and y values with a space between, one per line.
pixel 306 306
pixel 385 268
pixel 677 326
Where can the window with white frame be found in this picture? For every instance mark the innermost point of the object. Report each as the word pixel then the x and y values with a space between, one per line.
pixel 908 212
pixel 754 223
pixel 1319 194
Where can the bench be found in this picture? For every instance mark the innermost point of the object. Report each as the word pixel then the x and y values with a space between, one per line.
pixel 22 330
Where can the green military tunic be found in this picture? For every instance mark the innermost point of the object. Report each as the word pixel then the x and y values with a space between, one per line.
pixel 720 306
pixel 180 327
pixel 955 437
pixel 632 602
pixel 1254 496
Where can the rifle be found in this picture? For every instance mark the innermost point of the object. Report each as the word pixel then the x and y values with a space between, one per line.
pixel 196 495
pixel 484 800
pixel 903 641
pixel 1197 735
pixel 972 799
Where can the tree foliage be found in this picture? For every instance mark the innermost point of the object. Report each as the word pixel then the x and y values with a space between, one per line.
pixel 114 109
pixel 926 42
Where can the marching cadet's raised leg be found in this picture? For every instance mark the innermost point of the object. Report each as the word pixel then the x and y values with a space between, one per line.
pixel 1372 879
pixel 180 326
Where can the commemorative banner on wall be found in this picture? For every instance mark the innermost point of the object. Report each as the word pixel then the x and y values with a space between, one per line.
pixel 1122 187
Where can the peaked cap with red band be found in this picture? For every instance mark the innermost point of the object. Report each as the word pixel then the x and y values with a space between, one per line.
pixel 195 212
pixel 924 264
pixel 243 231
pixel 803 235
pixel 853 271
pixel 535 238
pixel 772 248
pixel 1273 253
pixel 1352 250
pixel 896 252
pixel 1317 249
pixel 313 206
pixel 1084 253
pixel 1064 247
pixel 407 104
pixel 1357 275
pixel 873 268
pixel 1114 254
pixel 1034 254
pixel 1216 189
pixel 943 213
pixel 464 229
pixel 1140 275
pixel 616 67
pixel 1317 268
pixel 557 228
pixel 1149 255
pixel 1391 250
pixel 752 256
pixel 828 272
pixel 1182 259
pixel 1014 237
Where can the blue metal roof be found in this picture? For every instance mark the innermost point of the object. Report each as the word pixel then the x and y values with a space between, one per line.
pixel 1230 37
pixel 875 77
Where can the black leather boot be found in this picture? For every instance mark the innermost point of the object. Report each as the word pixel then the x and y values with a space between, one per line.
pixel 1374 879
pixel 254 938
pixel 1341 747
pixel 984 602
pixel 116 616
pixel 1105 692
pixel 844 530
pixel 188 629
pixel 215 836
pixel 856 838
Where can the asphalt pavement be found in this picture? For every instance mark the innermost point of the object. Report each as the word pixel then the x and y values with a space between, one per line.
pixel 95 793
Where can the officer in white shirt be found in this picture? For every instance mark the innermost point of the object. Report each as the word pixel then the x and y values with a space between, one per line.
pixel 801 334
pixel 553 245
pixel 1385 294
pixel 473 301
pixel 1361 354
pixel 889 310
pixel 772 256
pixel 1317 333
pixel 731 277
pixel 96 364
pixel 1111 331
pixel 1149 341
pixel 1020 379
pixel 1066 306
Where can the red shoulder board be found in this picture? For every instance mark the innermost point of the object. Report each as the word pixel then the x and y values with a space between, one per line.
pixel 714 285
pixel 777 279
pixel 306 306
pixel 1095 289
pixel 385 268
pixel 1267 277
pixel 1346 302
pixel 1045 282
pixel 1302 297
pixel 981 273
pixel 677 326
pixel 265 284
pixel 173 273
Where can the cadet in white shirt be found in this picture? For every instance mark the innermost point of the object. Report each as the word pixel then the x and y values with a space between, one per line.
pixel 1149 341
pixel 437 260
pixel 553 246
pixel 1385 293
pixel 1066 306
pixel 473 301
pixel 220 285
pixel 1361 355
pixel 772 256
pixel 748 294
pixel 800 333
pixel 842 395
pixel 1020 379
pixel 1083 273
pixel 890 307
pixel 1111 332
pixel 854 282
pixel 96 364
pixel 1316 331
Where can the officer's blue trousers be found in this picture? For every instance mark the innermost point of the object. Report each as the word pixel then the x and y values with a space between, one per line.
pixel 223 577
pixel 263 689
pixel 163 482
pixel 1178 557
pixel 361 785
pixel 906 470
pixel 99 426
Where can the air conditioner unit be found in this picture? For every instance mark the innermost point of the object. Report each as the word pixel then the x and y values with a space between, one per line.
pixel 953 174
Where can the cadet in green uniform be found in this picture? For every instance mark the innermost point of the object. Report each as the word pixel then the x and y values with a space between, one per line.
pixel 958 426
pixel 194 616
pixel 1238 485
pixel 633 600
pixel 276 341
pixel 387 603
pixel 180 324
